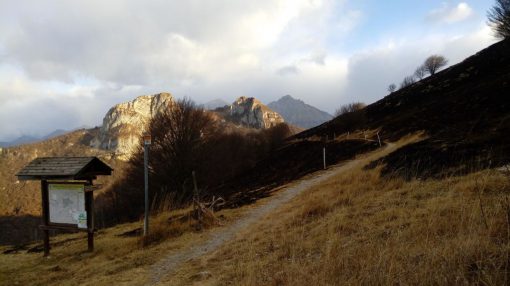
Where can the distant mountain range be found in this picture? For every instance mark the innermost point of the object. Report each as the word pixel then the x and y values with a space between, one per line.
pixel 293 111
pixel 25 139
pixel 298 113
pixel 215 103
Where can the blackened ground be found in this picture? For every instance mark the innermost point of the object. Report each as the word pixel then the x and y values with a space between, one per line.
pixel 435 158
pixel 465 111
pixel 286 164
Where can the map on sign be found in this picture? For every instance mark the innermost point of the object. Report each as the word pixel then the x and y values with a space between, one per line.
pixel 67 204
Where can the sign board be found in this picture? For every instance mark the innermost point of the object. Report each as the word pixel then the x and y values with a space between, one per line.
pixel 67 204
pixel 146 139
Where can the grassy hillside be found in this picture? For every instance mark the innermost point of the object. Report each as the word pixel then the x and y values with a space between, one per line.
pixel 362 228
pixel 355 228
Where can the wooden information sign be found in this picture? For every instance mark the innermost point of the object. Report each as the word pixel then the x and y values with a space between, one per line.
pixel 66 192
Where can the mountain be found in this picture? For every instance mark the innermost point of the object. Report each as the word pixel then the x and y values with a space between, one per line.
pixel 55 133
pixel 26 139
pixel 298 113
pixel 215 103
pixel 250 112
pixel 124 123
pixel 20 140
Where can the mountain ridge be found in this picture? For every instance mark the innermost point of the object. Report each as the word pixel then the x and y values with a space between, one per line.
pixel 299 113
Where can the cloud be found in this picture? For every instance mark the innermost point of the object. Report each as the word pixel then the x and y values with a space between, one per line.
pixel 73 61
pixel 448 14
pixel 129 42
pixel 370 72
pixel 288 70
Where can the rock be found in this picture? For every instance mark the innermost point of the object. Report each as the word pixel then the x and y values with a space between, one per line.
pixel 202 275
pixel 250 112
pixel 125 122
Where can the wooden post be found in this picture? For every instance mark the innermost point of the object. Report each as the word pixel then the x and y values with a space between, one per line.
pixel 196 200
pixel 45 216
pixel 89 208
pixel 195 184
pixel 324 156
pixel 324 143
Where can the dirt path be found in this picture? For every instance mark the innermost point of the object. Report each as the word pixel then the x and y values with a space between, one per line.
pixel 170 263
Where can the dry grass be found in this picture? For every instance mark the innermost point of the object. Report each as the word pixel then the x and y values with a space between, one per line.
pixel 356 228
pixel 359 228
pixel 117 260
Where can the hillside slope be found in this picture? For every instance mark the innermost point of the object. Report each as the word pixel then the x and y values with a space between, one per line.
pixel 344 226
pixel 465 111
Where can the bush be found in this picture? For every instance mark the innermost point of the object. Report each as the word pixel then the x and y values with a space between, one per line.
pixel 351 107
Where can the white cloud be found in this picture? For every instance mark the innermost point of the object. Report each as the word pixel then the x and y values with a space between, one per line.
pixel 77 60
pixel 448 14
pixel 371 71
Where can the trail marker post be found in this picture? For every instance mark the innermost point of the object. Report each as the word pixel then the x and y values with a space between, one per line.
pixel 146 143
pixel 324 142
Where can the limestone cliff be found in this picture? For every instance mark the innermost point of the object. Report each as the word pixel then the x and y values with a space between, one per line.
pixel 250 112
pixel 124 123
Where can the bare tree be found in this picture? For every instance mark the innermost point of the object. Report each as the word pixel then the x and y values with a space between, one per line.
pixel 407 81
pixel 179 135
pixel 420 72
pixel 351 107
pixel 433 63
pixel 499 18
pixel 392 87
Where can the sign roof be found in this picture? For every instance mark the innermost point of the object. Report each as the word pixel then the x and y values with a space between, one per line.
pixel 70 168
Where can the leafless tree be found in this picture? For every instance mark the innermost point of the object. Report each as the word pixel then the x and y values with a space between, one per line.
pixel 420 72
pixel 433 63
pixel 351 107
pixel 179 135
pixel 407 81
pixel 392 87
pixel 499 18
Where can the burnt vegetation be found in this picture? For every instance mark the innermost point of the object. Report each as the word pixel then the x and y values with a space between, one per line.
pixel 186 139
pixel 463 111
pixel 240 166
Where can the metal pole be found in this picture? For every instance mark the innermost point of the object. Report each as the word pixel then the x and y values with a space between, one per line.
pixel 146 175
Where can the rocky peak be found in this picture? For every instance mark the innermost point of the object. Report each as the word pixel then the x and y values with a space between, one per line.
pixel 124 123
pixel 250 112
pixel 298 113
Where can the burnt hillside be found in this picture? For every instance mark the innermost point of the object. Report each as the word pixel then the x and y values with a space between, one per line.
pixel 465 111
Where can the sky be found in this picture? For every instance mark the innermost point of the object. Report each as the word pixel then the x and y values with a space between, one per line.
pixel 63 64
